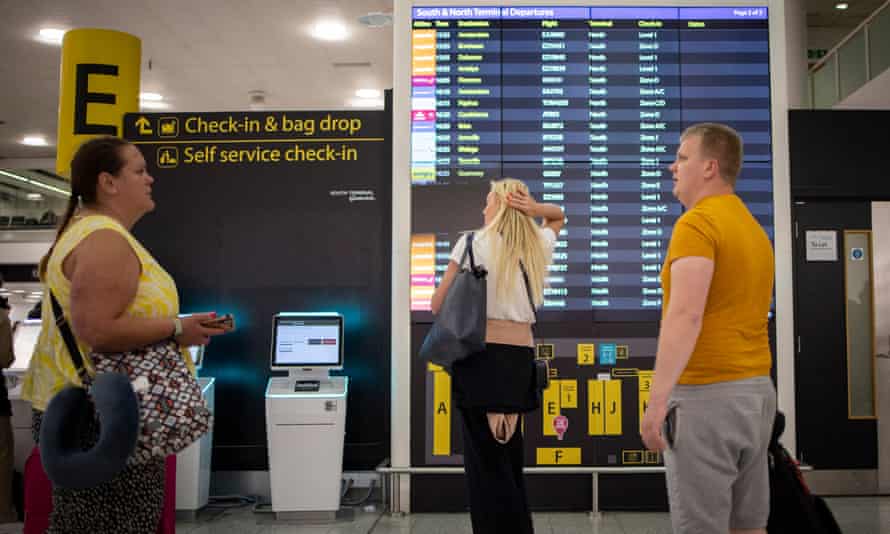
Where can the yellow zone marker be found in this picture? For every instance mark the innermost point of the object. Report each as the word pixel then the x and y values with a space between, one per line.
pixel 559 456
pixel 632 457
pixel 604 401
pixel 568 393
pixel 644 389
pixel 613 407
pixel 624 373
pixel 441 414
pixel 586 354
pixel 550 407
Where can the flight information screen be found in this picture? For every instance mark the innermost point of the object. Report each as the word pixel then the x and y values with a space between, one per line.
pixel 586 105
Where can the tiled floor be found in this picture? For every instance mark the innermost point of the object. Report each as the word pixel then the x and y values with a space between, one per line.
pixel 856 515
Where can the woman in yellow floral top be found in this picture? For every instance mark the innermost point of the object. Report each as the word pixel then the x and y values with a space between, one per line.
pixel 116 298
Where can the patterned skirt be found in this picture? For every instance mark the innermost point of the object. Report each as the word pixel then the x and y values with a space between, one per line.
pixel 130 503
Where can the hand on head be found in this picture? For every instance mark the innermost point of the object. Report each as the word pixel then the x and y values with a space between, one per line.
pixel 522 201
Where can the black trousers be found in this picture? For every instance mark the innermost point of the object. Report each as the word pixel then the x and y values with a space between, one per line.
pixel 498 503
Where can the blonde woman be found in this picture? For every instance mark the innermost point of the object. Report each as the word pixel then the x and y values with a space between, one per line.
pixel 492 387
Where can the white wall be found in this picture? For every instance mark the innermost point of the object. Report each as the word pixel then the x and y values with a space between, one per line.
pixel 825 38
pixel 796 33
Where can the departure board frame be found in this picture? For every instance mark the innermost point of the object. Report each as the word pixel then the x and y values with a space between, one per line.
pixel 415 383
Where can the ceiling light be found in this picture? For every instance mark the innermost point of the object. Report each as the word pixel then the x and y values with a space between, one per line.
pixel 256 100
pixel 329 30
pixel 51 35
pixel 36 183
pixel 151 97
pixel 366 102
pixel 34 140
pixel 368 93
pixel 841 6
pixel 149 104
pixel 34 196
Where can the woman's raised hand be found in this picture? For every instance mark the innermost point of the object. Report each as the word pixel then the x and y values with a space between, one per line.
pixel 523 202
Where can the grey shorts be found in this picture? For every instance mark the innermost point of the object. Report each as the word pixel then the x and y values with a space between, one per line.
pixel 716 461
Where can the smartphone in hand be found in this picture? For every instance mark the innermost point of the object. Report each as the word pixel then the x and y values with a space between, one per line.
pixel 225 322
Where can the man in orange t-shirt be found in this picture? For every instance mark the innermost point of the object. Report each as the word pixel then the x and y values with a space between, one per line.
pixel 712 402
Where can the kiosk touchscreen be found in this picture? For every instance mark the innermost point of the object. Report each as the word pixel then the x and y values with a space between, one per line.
pixel 308 346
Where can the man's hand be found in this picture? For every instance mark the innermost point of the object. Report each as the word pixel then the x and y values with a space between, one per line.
pixel 653 421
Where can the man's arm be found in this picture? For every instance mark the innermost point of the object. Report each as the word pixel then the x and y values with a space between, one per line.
pixel 690 282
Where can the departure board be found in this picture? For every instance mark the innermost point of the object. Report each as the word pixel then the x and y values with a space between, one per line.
pixel 586 105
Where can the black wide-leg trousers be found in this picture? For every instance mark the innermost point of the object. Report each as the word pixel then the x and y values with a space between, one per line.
pixel 498 502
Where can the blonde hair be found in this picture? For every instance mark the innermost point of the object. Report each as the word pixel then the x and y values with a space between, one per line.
pixel 722 143
pixel 520 241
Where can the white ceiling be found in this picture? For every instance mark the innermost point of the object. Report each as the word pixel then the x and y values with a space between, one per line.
pixel 822 14
pixel 206 55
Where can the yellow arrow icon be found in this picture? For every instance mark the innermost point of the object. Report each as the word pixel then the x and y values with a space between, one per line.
pixel 144 126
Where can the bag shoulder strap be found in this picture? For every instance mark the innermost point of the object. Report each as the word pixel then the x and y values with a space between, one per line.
pixel 468 250
pixel 528 290
pixel 68 338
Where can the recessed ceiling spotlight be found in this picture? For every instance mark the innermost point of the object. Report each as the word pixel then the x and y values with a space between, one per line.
pixel 368 93
pixel 151 97
pixel 841 6
pixel 366 102
pixel 34 140
pixel 51 35
pixel 329 30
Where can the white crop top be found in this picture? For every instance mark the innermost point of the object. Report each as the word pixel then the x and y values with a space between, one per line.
pixel 515 306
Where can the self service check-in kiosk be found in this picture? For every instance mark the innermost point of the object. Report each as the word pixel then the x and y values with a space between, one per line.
pixel 24 340
pixel 306 413
pixel 193 463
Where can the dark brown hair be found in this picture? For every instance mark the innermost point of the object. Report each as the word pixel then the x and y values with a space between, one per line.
pixel 102 154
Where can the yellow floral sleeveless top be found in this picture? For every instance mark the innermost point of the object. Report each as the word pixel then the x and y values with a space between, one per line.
pixel 51 368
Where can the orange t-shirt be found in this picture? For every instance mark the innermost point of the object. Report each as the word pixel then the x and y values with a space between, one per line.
pixel 733 344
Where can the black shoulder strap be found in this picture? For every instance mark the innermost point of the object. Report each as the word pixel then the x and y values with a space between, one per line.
pixel 468 250
pixel 528 290
pixel 68 337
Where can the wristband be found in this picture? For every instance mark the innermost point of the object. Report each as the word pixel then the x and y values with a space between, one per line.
pixel 177 327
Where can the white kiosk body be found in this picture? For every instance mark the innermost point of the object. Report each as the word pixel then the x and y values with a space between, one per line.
pixel 24 341
pixel 306 413
pixel 193 463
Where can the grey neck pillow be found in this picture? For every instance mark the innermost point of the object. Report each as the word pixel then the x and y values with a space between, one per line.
pixel 73 456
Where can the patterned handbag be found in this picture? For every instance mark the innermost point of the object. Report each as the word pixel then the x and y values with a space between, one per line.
pixel 172 411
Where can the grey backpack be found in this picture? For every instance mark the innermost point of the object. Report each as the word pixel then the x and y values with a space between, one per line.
pixel 459 327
